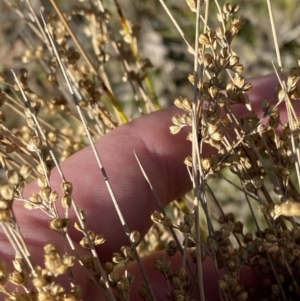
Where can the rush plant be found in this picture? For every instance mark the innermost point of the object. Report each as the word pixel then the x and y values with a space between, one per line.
pixel 83 72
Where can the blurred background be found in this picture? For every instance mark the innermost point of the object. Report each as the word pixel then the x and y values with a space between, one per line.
pixel 161 43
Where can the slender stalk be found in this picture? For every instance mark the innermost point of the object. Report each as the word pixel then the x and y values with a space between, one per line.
pixel 161 207
pixel 274 35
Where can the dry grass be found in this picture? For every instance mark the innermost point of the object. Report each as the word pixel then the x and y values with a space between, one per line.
pixel 85 70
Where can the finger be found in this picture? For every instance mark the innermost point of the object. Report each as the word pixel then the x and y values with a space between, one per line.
pixel 162 155
pixel 162 282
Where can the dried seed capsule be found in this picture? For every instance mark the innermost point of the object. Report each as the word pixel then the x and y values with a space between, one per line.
pixel 7 192
pixel 67 188
pixel 13 177
pixel 203 39
pixel 60 224
pixel 135 237
pixel 66 201
pixel 270 238
pixel 17 278
pixel 99 239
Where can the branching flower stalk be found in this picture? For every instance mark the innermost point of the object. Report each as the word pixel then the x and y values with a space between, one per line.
pixel 67 199
pixel 133 46
pixel 252 141
pixel 87 59
pixel 102 169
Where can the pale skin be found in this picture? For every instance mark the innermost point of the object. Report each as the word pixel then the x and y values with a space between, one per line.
pixel 161 155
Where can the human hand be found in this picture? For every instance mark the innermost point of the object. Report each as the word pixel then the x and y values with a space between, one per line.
pixel 162 156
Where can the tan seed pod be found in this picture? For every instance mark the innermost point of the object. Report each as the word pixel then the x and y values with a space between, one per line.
pixel 18 278
pixel 182 274
pixel 174 129
pixel 60 224
pixel 25 171
pixel 257 182
pixel 176 119
pixel 156 217
pixel 7 192
pixel 222 284
pixel 281 95
pixel 192 5
pixel 3 273
pixel 126 251
pixel 82 215
pixel 233 60
pixel 39 282
pixel 114 277
pixel 42 168
pixel 68 261
pixel 4 215
pixel 36 142
pixel 29 206
pixel 53 196
pixel 206 163
pixel 227 8
pixel 271 238
pixel 51 137
pixel 51 248
pixel 214 92
pixel 117 258
pixel 84 243
pixel 187 104
pixel 13 177
pixel 67 188
pixel 135 237
pixel 31 124
pixel 208 59
pixel 292 82
pixel 176 282
pixel 217 137
pixel 239 81
pixel 66 201
pixel 238 68
pixel 42 181
pixel 78 227
pixel 45 193
pixel 220 32
pixel 231 265
pixel 203 39
pixel 99 239
pixel 179 102
pixel 27 113
pixel 5 205
pixel 18 264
